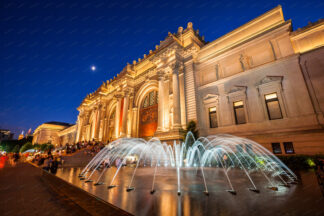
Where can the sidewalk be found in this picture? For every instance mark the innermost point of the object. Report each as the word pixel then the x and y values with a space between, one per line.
pixel 22 192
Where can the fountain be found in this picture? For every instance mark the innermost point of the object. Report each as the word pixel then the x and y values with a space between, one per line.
pixel 223 152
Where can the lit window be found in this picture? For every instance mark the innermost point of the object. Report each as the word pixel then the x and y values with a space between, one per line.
pixel 273 106
pixel 213 117
pixel 146 102
pixel 276 149
pixel 112 116
pixel 289 148
pixel 151 99
pixel 239 112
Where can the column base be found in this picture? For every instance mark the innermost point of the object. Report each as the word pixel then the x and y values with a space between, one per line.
pixel 170 136
pixel 122 135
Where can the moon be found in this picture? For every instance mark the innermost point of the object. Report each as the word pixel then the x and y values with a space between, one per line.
pixel 93 68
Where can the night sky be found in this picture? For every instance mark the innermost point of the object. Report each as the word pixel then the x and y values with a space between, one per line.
pixel 48 47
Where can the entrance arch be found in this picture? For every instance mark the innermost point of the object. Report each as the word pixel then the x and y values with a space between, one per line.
pixel 111 121
pixel 111 126
pixel 148 115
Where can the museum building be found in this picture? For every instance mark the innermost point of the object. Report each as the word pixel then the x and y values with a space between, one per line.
pixel 262 81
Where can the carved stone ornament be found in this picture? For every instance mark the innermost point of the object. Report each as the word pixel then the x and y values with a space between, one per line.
pixel 237 89
pixel 210 98
pixel 269 79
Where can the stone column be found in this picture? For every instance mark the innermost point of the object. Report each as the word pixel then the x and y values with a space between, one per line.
pixel 224 108
pixel 125 112
pixel 176 99
pixel 190 91
pixel 134 122
pixel 130 117
pixel 79 127
pixel 182 101
pixel 117 116
pixel 106 129
pixel 160 103
pixel 98 122
pixel 166 94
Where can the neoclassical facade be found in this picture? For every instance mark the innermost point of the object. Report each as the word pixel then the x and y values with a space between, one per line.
pixel 251 82
pixel 56 133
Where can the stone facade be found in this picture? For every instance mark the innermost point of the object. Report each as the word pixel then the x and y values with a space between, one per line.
pixel 260 81
pixel 56 133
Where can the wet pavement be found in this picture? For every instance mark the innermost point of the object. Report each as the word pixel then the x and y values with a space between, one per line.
pixel 22 192
pixel 305 198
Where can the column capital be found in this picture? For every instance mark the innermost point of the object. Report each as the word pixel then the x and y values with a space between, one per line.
pixel 161 77
pixel 176 66
pixel 167 77
pixel 135 108
pixel 118 96
pixel 160 73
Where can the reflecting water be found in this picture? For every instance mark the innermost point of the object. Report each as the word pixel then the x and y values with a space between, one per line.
pixel 222 150
pixel 304 198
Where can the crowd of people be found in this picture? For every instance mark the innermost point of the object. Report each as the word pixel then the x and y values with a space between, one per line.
pixel 48 162
pixel 12 158
pixel 90 147
pixel 53 159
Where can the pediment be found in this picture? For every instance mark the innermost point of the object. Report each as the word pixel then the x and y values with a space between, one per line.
pixel 210 97
pixel 269 79
pixel 237 89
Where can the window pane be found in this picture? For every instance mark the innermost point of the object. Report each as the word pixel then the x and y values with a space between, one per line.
pixel 213 117
pixel 238 103
pixel 271 96
pixel 239 115
pixel 152 98
pixel 273 106
pixel 289 148
pixel 274 110
pixel 276 148
pixel 145 104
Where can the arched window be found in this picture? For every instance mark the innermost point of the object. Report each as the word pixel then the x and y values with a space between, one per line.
pixel 150 99
pixel 149 115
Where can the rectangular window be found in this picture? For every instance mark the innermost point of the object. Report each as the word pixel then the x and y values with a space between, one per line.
pixel 289 148
pixel 213 117
pixel 239 112
pixel 273 106
pixel 276 149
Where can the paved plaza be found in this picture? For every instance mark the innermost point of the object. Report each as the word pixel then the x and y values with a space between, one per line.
pixel 22 192
pixel 305 198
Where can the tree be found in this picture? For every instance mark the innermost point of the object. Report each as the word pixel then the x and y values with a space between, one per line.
pixel 191 127
pixel 46 147
pixel 16 149
pixel 26 147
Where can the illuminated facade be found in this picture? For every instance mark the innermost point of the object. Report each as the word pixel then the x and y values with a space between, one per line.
pixel 249 82
pixel 56 133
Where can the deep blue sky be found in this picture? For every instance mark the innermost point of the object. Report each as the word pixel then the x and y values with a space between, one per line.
pixel 48 47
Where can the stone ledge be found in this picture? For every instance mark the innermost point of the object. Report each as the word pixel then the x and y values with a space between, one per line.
pixel 170 135
pixel 90 203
